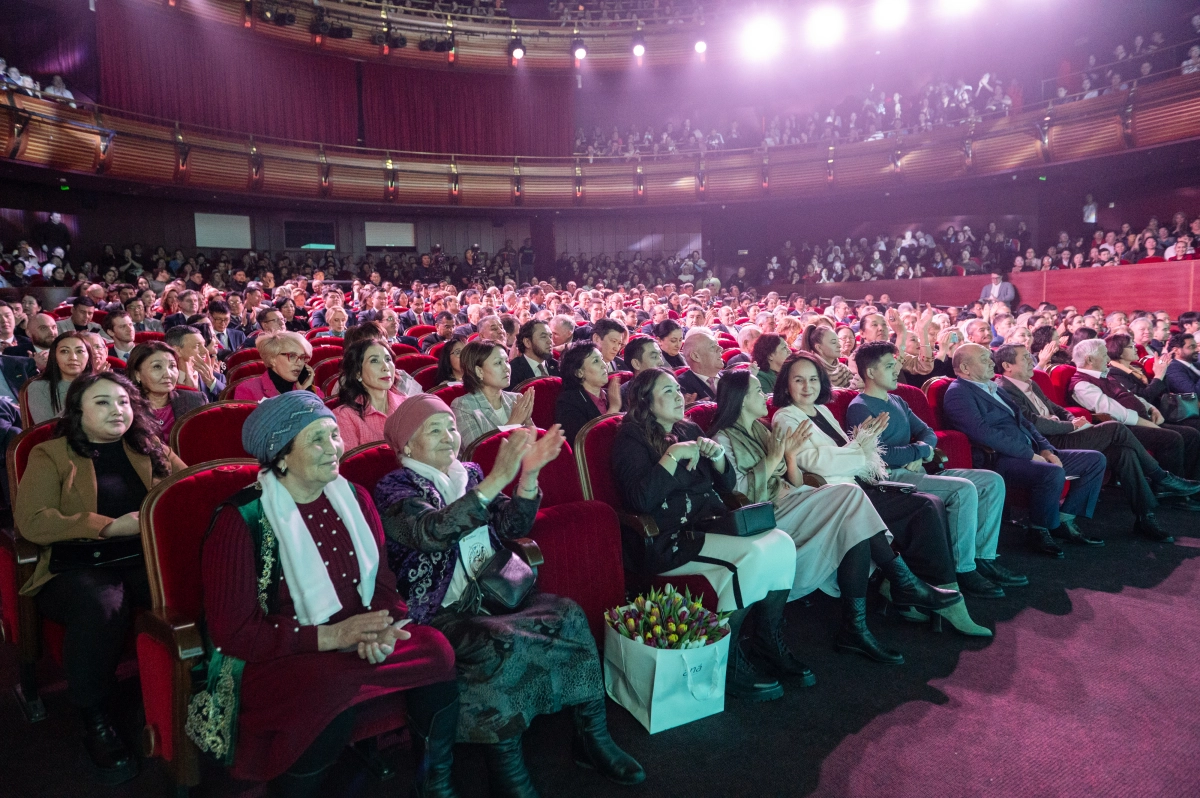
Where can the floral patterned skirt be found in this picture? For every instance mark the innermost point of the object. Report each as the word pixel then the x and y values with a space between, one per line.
pixel 514 667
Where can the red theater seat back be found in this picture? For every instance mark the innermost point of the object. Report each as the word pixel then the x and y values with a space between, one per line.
pixel 368 464
pixel 211 432
pixel 559 479
pixel 546 397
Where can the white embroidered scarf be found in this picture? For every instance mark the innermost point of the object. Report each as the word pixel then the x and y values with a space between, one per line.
pixel 307 578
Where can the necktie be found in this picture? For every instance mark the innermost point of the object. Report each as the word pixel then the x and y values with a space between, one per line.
pixel 541 370
pixel 712 384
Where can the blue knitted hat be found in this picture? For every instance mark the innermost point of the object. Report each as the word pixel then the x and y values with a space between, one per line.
pixel 276 421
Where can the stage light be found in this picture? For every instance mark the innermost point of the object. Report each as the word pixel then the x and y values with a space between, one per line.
pixel 639 45
pixel 397 41
pixel 267 13
pixel 341 32
pixel 762 38
pixel 285 18
pixel 379 38
pixel 578 49
pixel 516 48
pixel 825 27
pixel 320 26
pixel 890 14
pixel 701 46
pixel 427 45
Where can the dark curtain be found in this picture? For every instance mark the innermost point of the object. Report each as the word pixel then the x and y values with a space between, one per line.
pixel 51 38
pixel 211 75
pixel 425 110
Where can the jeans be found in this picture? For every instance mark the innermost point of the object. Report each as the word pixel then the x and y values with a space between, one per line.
pixel 974 500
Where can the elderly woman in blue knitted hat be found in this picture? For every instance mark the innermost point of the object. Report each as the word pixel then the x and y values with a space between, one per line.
pixel 444 521
pixel 303 619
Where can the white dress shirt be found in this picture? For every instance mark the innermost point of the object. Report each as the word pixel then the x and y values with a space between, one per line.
pixel 1092 398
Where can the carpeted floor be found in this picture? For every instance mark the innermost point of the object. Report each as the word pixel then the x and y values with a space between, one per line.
pixel 1088 689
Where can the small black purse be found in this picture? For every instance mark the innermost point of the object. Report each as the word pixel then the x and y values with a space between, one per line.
pixel 752 519
pixel 502 586
pixel 1178 407
pixel 75 555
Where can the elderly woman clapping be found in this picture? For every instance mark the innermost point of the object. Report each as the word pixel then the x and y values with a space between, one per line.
pixel 444 521
pixel 286 355
pixel 302 609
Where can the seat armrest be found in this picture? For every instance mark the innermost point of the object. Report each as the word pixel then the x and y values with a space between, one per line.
pixel 644 525
pixel 527 550
pixel 814 480
pixel 178 633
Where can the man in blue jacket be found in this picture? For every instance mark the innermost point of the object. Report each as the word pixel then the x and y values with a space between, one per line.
pixel 1183 375
pixel 975 406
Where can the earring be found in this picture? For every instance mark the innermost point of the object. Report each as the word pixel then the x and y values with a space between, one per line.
pixel 407 451
pixel 283 468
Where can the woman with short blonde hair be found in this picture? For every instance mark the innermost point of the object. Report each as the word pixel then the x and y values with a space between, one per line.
pixel 286 355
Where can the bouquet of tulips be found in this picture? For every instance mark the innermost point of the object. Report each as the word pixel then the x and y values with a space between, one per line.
pixel 667 619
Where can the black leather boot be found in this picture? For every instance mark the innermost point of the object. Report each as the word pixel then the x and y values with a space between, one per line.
pixel 907 589
pixel 1147 526
pixel 507 774
pixel 855 636
pixel 768 645
pixel 437 757
pixel 742 679
pixel 112 761
pixel 592 746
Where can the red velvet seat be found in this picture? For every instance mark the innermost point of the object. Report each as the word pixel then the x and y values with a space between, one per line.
pixel 593 455
pixel 436 349
pixel 230 385
pixel 953 443
pixel 311 334
pixel 729 354
pixel 117 364
pixel 426 376
pixel 839 403
pixel 546 397
pixel 410 363
pixel 702 414
pixel 559 479
pixel 1060 381
pixel 211 432
pixel 418 330
pixel 680 371
pixel 404 349
pixel 251 369
pixel 242 356
pixel 450 392
pixel 19 617
pixel 62 312
pixel 367 464
pixel 324 352
pixel 624 376
pixel 146 335
pixel 327 370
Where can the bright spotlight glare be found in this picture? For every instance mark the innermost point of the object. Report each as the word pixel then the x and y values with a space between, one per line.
pixel 890 14
pixel 762 38
pixel 579 49
pixel 701 46
pixel 639 50
pixel 956 8
pixel 825 28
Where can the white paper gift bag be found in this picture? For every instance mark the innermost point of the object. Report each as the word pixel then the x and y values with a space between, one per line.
pixel 665 688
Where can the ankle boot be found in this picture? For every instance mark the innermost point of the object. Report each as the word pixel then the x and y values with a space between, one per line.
pixel 507 774
pixel 910 614
pixel 742 679
pixel 437 756
pixel 907 589
pixel 855 636
pixel 768 645
pixel 112 761
pixel 594 748
pixel 960 618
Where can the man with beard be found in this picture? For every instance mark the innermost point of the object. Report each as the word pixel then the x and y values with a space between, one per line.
pixel 533 342
pixel 1183 375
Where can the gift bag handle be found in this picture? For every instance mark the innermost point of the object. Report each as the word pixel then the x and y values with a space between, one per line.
pixel 710 654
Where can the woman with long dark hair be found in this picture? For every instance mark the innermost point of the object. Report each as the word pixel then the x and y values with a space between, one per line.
pixel 70 358
pixel 79 501
pixel 769 352
pixel 667 469
pixel 916 520
pixel 154 368
pixel 367 388
pixel 670 340
pixel 588 390
pixel 449 366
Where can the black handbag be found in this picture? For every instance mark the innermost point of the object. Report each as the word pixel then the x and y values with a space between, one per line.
pixel 1178 407
pixel 743 522
pixel 505 583
pixel 75 555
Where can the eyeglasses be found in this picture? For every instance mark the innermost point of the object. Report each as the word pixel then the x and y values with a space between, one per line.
pixel 294 357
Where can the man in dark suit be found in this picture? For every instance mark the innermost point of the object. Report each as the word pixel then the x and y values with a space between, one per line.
pixel 975 406
pixel 1140 475
pixel 609 337
pixel 229 340
pixel 702 354
pixel 444 331
pixel 8 326
pixel 534 344
pixel 137 314
pixel 1183 375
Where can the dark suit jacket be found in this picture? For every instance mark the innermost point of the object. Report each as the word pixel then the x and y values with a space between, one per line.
pixel 1046 426
pixel 572 410
pixel 429 341
pixel 237 339
pixel 618 364
pixel 521 370
pixel 22 348
pixel 1181 379
pixel 17 370
pixel 690 382
pixel 173 320
pixel 969 409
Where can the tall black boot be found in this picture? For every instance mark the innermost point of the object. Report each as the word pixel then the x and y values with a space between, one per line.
pixel 742 679
pixel 907 589
pixel 855 636
pixel 507 774
pixel 768 644
pixel 112 761
pixel 437 733
pixel 592 746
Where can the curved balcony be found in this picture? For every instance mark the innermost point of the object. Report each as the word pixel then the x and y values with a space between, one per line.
pixel 116 145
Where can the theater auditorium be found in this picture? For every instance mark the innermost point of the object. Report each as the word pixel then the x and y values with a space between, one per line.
pixel 521 398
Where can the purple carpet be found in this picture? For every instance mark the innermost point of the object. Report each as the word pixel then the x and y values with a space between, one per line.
pixel 1101 701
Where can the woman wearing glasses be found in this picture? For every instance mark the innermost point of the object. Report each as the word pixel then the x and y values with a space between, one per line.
pixel 286 355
